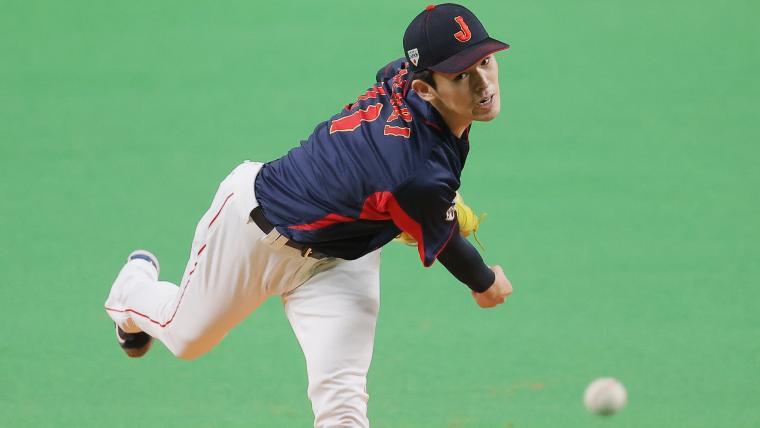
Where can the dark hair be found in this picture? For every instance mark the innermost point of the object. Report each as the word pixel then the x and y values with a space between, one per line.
pixel 424 75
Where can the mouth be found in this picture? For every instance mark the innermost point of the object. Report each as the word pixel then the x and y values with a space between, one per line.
pixel 485 102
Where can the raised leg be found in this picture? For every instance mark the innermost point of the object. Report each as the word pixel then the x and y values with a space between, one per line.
pixel 222 283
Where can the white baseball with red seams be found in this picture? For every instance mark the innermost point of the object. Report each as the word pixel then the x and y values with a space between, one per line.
pixel 605 396
pixel 332 304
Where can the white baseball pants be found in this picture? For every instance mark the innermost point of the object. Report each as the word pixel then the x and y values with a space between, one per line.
pixel 332 304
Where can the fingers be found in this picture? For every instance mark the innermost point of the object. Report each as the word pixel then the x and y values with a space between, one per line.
pixel 506 286
pixel 498 293
pixel 485 300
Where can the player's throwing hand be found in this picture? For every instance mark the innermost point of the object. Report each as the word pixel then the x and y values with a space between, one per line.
pixel 497 293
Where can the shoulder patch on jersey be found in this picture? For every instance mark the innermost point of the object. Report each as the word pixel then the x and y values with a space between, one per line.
pixel 451 213
pixel 414 56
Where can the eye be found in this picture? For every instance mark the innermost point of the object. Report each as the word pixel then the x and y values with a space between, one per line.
pixel 486 61
pixel 460 76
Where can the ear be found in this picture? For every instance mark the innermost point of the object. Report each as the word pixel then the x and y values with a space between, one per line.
pixel 424 90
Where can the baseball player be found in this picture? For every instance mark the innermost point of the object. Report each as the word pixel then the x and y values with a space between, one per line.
pixel 308 227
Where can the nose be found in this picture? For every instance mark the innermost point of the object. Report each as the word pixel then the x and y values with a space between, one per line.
pixel 480 81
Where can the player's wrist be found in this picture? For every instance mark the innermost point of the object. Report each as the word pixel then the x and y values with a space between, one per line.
pixel 487 285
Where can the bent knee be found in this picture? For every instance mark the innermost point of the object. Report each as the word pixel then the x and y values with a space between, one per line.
pixel 191 347
pixel 189 354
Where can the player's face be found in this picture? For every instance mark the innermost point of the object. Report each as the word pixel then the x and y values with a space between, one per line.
pixel 470 95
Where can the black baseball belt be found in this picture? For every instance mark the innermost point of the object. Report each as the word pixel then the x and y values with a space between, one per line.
pixel 258 217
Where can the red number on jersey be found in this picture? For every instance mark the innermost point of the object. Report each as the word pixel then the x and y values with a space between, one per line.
pixel 397 131
pixel 372 93
pixel 355 119
pixel 371 113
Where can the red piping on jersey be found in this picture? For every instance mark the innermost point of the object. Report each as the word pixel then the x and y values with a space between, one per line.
pixel 465 135
pixel 451 234
pixel 187 283
pixel 325 221
pixel 379 206
pixel 402 220
pixel 433 125
pixel 376 207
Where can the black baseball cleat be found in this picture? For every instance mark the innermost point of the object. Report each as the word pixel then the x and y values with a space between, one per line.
pixel 134 344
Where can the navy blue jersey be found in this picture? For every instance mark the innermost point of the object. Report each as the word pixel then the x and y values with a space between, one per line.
pixel 384 164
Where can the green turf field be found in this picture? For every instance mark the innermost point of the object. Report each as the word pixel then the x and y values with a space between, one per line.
pixel 620 181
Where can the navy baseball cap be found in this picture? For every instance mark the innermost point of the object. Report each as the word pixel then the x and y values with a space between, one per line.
pixel 447 38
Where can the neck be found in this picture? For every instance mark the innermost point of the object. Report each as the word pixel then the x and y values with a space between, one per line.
pixel 456 125
pixel 458 130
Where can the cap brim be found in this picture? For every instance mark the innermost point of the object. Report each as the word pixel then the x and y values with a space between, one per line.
pixel 463 60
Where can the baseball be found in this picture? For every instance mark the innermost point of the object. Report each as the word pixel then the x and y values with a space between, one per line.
pixel 605 396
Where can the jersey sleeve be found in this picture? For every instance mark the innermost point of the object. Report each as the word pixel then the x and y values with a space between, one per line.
pixel 425 210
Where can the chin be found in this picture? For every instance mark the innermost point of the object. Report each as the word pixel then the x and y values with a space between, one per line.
pixel 491 114
pixel 488 118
